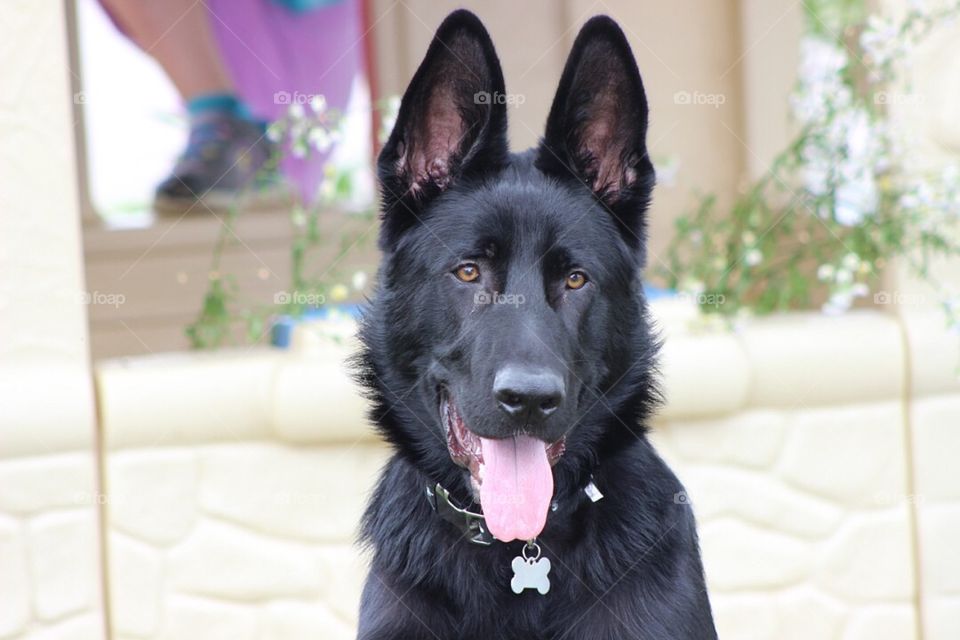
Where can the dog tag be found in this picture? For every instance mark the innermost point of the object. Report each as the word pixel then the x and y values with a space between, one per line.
pixel 592 492
pixel 530 571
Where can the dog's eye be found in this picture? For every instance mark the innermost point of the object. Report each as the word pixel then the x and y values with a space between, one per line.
pixel 576 280
pixel 467 272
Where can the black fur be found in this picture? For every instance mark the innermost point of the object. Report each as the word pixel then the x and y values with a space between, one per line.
pixel 627 566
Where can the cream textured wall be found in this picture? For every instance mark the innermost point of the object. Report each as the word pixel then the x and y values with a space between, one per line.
pixel 233 511
pixel 237 540
pixel 794 436
pixel 925 110
pixel 50 582
pixel 802 493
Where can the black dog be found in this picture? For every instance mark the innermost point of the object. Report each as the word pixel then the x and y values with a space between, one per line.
pixel 511 365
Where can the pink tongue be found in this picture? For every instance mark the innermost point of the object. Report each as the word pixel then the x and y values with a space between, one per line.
pixel 516 488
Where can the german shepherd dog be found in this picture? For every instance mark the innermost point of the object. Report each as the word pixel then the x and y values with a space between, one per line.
pixel 510 363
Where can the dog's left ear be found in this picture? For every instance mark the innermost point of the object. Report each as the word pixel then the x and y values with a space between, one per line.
pixel 452 124
pixel 597 127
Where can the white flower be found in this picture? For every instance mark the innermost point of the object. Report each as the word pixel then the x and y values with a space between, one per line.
pixel 851 261
pixel 753 257
pixel 820 60
pixel 359 280
pixel 839 302
pixel 327 190
pixel 318 103
pixel 821 88
pixel 274 132
pixel 298 149
pixel 842 162
pixel 880 39
pixel 667 171
pixel 856 200
pixel 320 139
pixel 860 140
pixel 825 272
pixel 694 287
pixel 816 174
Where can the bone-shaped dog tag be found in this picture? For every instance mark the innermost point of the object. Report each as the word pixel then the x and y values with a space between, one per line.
pixel 530 572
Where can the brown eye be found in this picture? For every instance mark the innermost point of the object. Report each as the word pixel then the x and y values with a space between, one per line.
pixel 576 280
pixel 467 272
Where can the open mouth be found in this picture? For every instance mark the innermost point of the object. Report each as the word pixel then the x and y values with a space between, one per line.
pixel 512 477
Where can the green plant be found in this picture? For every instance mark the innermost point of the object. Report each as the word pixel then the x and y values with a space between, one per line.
pixel 313 282
pixel 842 200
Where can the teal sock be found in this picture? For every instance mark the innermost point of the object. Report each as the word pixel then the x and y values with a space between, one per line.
pixel 226 103
pixel 221 102
pixel 303 6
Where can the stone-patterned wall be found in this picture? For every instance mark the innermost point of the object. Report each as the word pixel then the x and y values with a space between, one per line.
pixel 50 584
pixel 931 94
pixel 803 524
pixel 243 541
pixel 50 580
pixel 935 429
pixel 805 530
pixel 803 455
pixel 937 498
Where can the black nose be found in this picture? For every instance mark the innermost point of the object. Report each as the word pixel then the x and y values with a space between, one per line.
pixel 526 393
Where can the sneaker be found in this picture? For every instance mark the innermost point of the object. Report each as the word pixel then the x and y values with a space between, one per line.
pixel 225 165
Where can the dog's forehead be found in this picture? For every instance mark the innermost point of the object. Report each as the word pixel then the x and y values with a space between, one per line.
pixel 521 216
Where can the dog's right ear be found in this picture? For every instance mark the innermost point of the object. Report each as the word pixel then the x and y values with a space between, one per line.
pixel 452 124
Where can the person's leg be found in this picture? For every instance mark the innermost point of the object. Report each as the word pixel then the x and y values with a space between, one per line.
pixel 226 149
pixel 177 34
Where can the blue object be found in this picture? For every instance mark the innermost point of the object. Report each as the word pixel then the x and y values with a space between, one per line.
pixel 222 102
pixel 282 329
pixel 302 6
pixel 656 293
pixel 283 326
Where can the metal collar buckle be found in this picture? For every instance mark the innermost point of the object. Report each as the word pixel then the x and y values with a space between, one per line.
pixel 470 523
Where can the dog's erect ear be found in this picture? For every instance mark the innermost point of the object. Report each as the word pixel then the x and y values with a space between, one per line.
pixel 452 123
pixel 597 127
